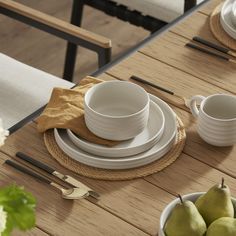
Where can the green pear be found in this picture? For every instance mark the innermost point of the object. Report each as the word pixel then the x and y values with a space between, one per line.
pixel 225 226
pixel 185 220
pixel 216 203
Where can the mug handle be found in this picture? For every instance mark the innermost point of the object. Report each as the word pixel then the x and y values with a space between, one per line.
pixel 193 104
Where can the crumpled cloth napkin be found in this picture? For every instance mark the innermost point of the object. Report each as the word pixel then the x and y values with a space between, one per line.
pixel 66 110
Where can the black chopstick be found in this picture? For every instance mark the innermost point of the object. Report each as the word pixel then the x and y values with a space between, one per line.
pixel 27 171
pixel 210 44
pixel 136 78
pixel 214 46
pixel 35 163
pixel 204 50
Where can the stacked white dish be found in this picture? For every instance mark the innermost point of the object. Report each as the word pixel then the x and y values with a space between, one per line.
pixel 140 143
pixel 158 150
pixel 228 18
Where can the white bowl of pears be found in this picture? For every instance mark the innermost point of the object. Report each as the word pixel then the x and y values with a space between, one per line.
pixel 201 214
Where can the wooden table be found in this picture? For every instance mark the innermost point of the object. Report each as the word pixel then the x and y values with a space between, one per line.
pixel 134 207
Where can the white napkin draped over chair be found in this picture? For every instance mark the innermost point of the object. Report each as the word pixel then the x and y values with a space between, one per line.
pixel 165 10
pixel 23 89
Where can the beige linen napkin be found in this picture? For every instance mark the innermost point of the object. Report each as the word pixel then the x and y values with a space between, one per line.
pixel 66 110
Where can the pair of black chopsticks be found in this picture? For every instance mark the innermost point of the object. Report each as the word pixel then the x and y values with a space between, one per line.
pixel 219 51
pixel 136 78
pixel 140 80
pixel 49 170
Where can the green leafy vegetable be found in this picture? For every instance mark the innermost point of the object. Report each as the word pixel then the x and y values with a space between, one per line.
pixel 20 208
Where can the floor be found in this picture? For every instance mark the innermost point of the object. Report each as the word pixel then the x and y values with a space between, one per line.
pixel 46 52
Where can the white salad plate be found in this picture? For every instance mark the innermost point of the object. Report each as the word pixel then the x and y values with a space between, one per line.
pixel 156 152
pixel 226 18
pixel 142 142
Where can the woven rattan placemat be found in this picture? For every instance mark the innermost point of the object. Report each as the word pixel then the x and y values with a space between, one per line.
pixel 105 174
pixel 218 31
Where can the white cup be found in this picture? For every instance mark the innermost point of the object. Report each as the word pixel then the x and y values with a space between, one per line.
pixel 116 110
pixel 216 118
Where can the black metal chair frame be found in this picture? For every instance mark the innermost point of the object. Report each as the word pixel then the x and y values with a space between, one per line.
pixel 110 8
pixel 104 54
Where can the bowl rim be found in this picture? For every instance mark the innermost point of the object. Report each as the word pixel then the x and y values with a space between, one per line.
pixel 146 106
pixel 234 9
pixel 222 18
pixel 175 201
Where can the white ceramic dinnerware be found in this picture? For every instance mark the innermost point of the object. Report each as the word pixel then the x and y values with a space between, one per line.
pixel 226 19
pixel 156 152
pixel 216 118
pixel 140 143
pixel 233 14
pixel 116 110
pixel 166 212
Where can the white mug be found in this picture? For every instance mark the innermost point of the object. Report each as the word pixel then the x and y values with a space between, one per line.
pixel 216 118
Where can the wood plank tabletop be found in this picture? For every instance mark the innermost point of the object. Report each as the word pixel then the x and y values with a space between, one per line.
pixel 134 207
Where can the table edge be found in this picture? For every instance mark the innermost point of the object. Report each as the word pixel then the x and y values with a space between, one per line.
pixel 123 56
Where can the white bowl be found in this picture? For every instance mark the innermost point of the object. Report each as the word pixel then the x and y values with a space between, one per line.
pixel 116 110
pixel 233 14
pixel 166 212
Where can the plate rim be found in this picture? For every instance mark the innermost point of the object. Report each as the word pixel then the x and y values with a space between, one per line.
pixel 226 26
pixel 110 151
pixel 127 162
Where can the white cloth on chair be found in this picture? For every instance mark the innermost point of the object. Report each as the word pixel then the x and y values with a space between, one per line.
pixel 165 10
pixel 23 89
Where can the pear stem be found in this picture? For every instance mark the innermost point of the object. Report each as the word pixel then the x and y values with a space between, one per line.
pixel 181 199
pixel 222 182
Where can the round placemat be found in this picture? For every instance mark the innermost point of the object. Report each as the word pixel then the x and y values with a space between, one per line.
pixel 218 31
pixel 126 174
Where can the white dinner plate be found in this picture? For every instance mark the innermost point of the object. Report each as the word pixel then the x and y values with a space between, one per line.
pixel 226 18
pixel 154 153
pixel 142 142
